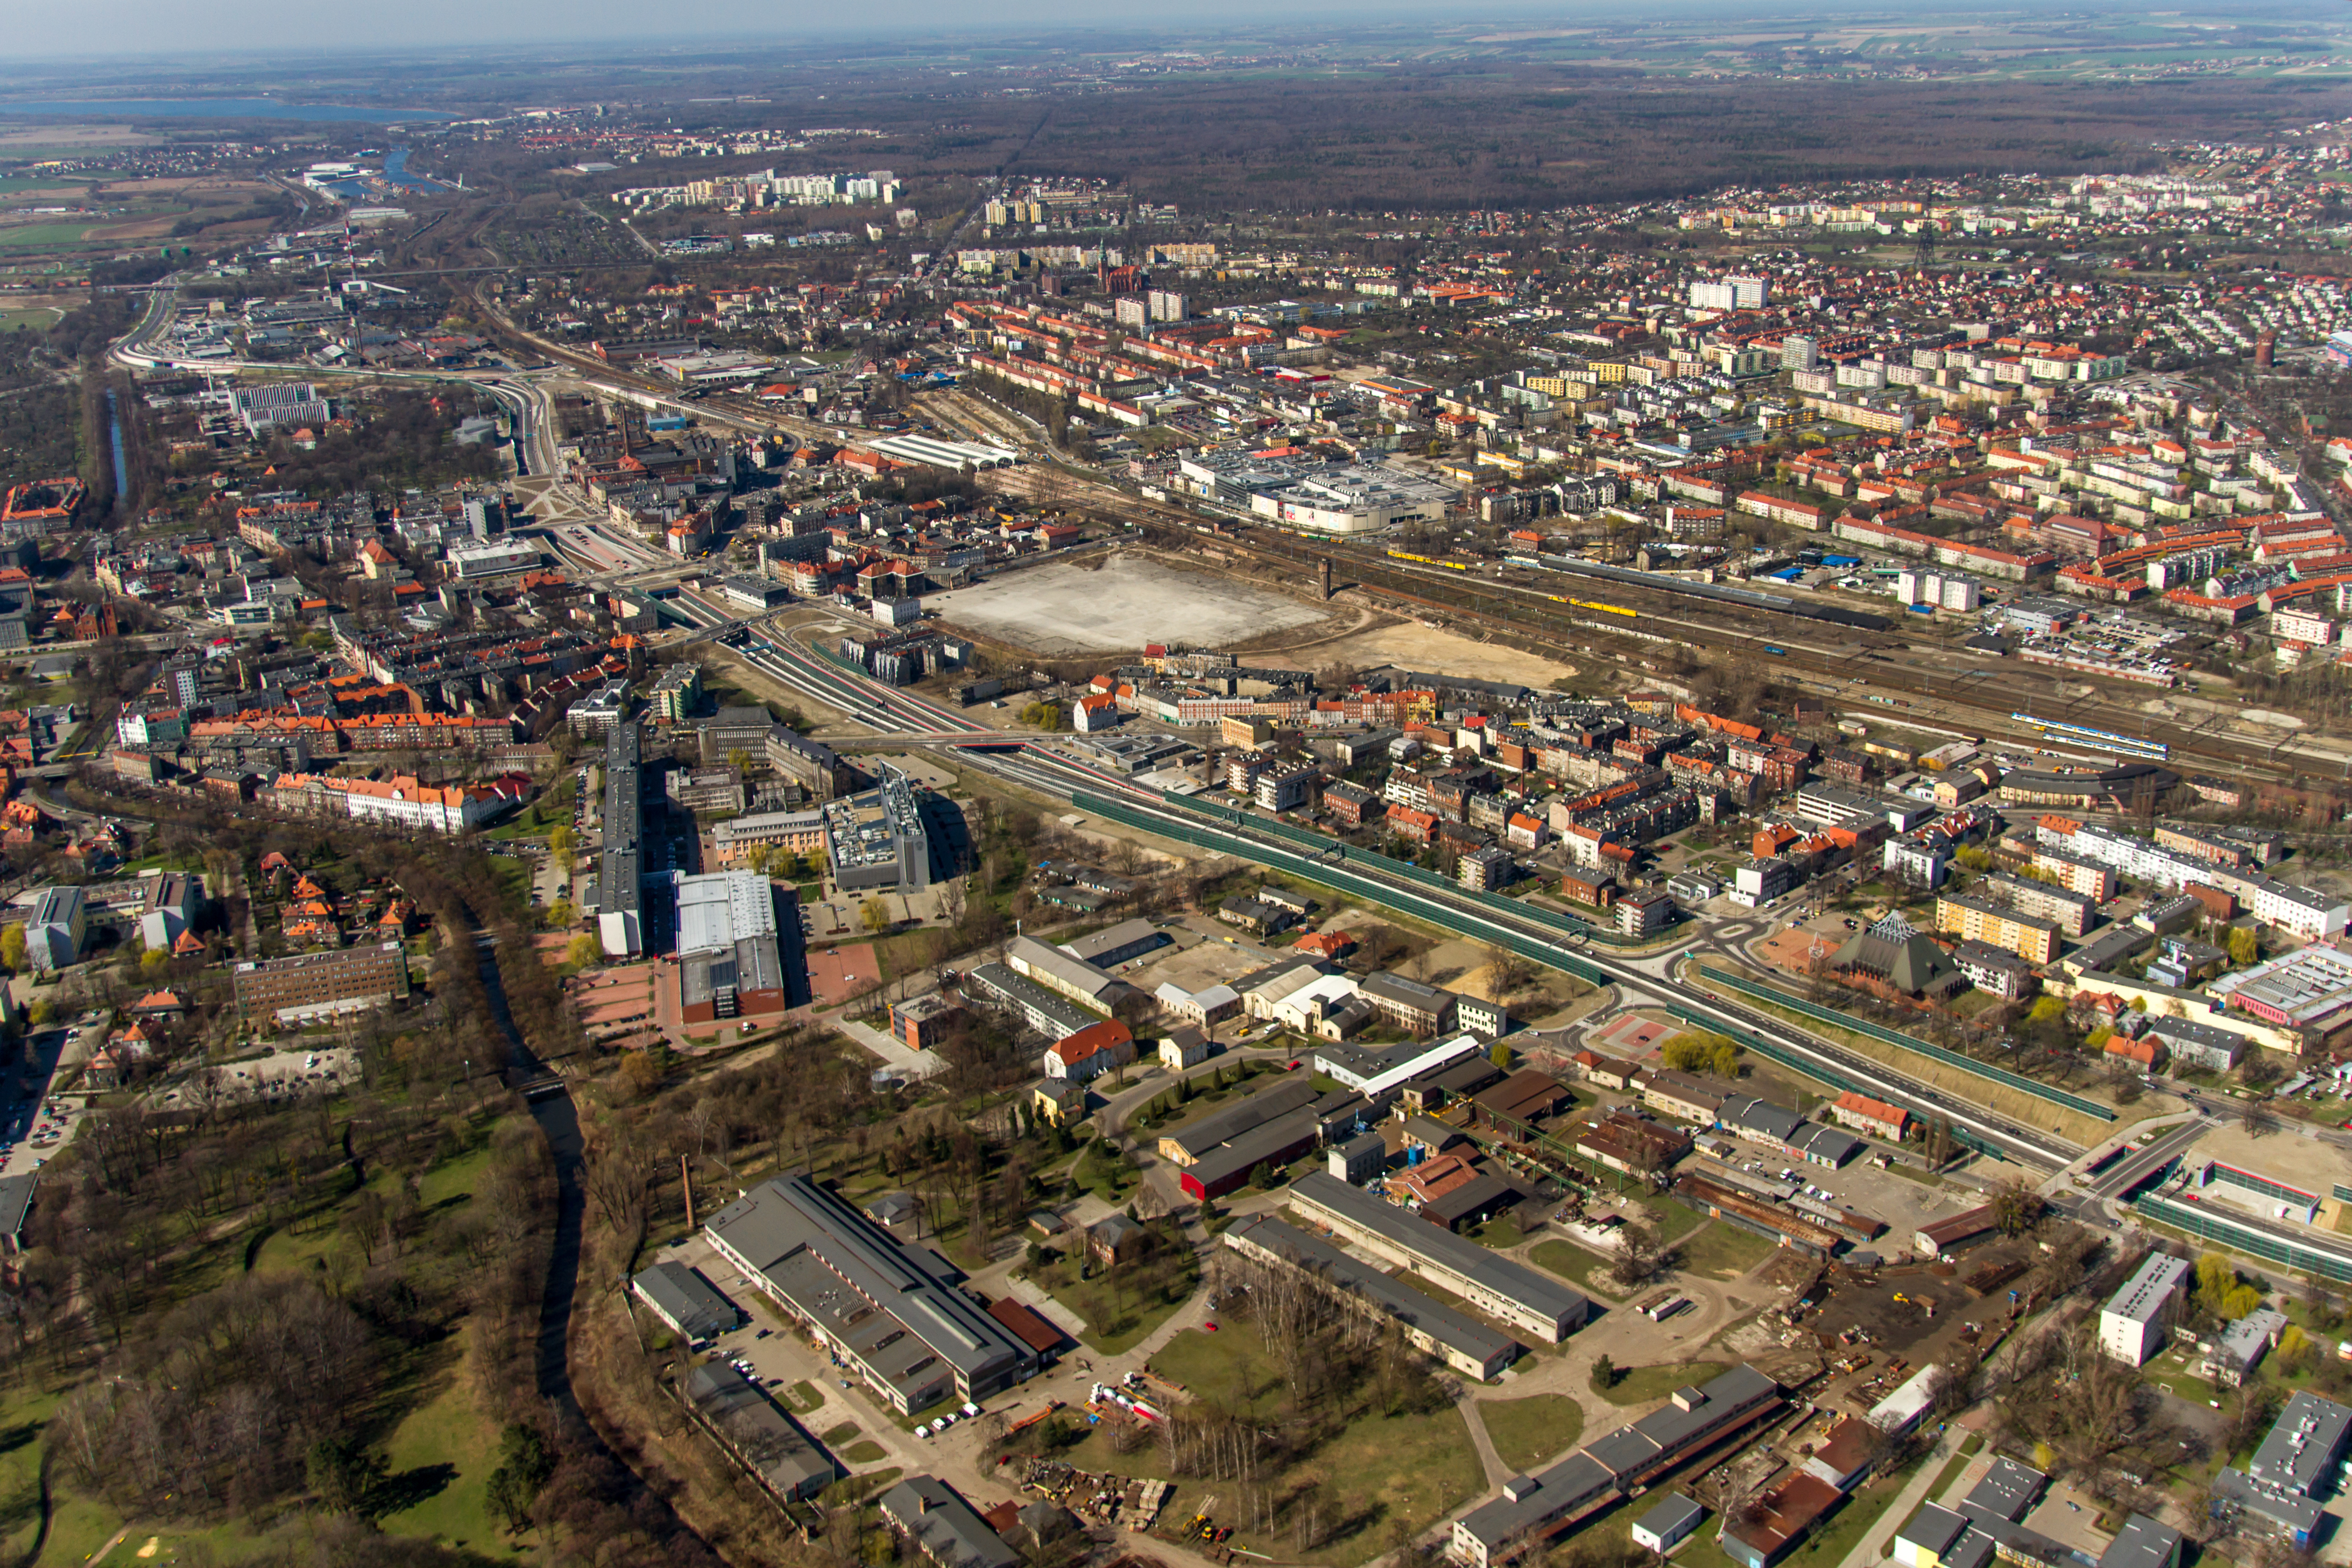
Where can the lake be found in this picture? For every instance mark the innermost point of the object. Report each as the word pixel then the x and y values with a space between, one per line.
pixel 218 109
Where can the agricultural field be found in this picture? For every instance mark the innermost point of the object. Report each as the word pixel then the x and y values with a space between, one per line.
pixel 104 215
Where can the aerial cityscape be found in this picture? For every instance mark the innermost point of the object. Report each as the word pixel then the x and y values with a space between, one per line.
pixel 1560 786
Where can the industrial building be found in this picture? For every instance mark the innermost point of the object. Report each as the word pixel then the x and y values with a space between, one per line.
pixel 1430 1326
pixel 891 1312
pixel 1532 1507
pixel 688 1305
pixel 1501 1289
pixel 777 1451
pixel 620 902
pixel 1056 970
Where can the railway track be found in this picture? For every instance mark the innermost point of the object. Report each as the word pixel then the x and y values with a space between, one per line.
pixel 1036 765
pixel 1796 649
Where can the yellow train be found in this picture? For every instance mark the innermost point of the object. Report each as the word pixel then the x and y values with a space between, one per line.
pixel 1427 560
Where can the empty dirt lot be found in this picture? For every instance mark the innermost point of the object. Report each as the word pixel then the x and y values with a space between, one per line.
pixel 1129 601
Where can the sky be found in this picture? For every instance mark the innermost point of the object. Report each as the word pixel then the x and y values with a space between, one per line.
pixel 202 33
pixel 212 42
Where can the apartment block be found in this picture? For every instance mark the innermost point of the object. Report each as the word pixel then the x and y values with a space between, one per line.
pixel 1981 919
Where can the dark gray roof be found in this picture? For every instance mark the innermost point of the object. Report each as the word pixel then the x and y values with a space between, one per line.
pixel 1748 1114
pixel 2276 1504
pixel 949 1530
pixel 1574 1483
pixel 16 1201
pixel 1120 942
pixel 2142 1542
pixel 848 1275
pixel 1453 1330
pixel 1221 1127
pixel 683 1297
pixel 1934 1528
pixel 1273 1140
pixel 765 1437
pixel 1673 1514
pixel 2304 1444
pixel 2007 1489
pixel 1509 1281
pixel 1827 1143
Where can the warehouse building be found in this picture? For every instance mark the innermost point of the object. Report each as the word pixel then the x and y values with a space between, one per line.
pixel 769 1443
pixel 1533 1508
pixel 1503 1289
pixel 1430 1326
pixel 688 1305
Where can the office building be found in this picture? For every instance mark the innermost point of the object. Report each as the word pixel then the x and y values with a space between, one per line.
pixel 55 928
pixel 812 765
pixel 890 1312
pixel 2138 1319
pixel 877 840
pixel 314 985
pixel 172 901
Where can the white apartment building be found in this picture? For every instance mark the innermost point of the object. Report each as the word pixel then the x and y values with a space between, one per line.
pixel 2138 1319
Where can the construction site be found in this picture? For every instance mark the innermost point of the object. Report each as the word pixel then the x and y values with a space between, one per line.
pixel 1870 1329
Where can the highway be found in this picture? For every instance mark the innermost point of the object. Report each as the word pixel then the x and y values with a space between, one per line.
pixel 1040 765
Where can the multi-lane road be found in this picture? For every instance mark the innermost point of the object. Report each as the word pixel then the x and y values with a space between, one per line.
pixel 1047 767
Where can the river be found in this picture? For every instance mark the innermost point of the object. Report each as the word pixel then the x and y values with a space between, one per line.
pixel 559 1122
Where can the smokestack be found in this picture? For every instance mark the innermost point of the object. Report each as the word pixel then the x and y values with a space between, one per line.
pixel 686 1181
pixel 1327 579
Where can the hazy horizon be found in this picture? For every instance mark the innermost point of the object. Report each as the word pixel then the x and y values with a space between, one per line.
pixel 189 40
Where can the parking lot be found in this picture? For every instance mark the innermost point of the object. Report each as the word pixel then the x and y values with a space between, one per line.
pixel 283 1075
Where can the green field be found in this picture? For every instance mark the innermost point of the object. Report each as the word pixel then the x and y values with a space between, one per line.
pixel 1723 1250
pixel 441 1456
pixel 1587 1271
pixel 1375 1470
pixel 1640 1385
pixel 1526 1432
pixel 45 235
